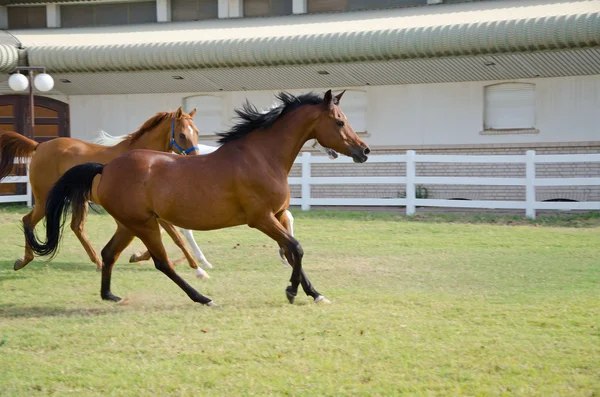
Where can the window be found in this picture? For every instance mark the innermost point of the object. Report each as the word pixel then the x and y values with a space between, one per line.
pixel 354 106
pixel 209 113
pixel 509 106
pixel 110 14
pixel 351 5
pixel 377 4
pixel 264 8
pixel 26 17
pixel 194 10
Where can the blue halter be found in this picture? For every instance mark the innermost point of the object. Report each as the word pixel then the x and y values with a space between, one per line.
pixel 174 143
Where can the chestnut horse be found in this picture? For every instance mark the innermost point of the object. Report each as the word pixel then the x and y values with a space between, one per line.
pixel 165 131
pixel 245 181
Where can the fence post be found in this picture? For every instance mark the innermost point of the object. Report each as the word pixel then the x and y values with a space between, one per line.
pixel 410 182
pixel 28 187
pixel 530 184
pixel 305 161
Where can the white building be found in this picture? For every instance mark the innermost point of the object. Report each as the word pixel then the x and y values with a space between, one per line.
pixel 444 76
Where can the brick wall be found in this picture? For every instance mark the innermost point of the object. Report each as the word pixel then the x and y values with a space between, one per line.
pixel 577 193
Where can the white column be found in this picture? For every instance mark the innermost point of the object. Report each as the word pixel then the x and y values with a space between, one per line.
pixel 163 10
pixel 3 18
pixel 530 184
pixel 305 200
pixel 410 182
pixel 300 6
pixel 53 15
pixel 236 8
pixel 223 8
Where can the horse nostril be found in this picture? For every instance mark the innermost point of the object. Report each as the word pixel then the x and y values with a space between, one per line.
pixel 366 151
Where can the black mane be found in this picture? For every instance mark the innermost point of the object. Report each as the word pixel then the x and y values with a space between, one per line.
pixel 251 119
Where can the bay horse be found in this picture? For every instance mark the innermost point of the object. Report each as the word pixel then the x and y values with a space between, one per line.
pixel 106 139
pixel 164 132
pixel 245 181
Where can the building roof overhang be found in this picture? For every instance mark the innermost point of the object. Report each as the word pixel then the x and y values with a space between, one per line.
pixel 449 30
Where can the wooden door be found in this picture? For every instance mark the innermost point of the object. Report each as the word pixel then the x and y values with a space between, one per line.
pixel 51 121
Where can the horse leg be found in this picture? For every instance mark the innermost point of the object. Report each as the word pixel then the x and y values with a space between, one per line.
pixel 287 220
pixel 77 225
pixel 272 227
pixel 197 252
pixel 149 233
pixel 31 219
pixel 144 256
pixel 172 231
pixel 110 253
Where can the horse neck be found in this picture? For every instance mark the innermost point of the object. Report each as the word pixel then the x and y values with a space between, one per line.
pixel 284 140
pixel 155 139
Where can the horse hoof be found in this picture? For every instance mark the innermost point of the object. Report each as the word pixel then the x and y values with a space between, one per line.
pixel 133 258
pixel 211 303
pixel 201 274
pixel 321 299
pixel 206 264
pixel 19 264
pixel 98 268
pixel 110 297
pixel 290 296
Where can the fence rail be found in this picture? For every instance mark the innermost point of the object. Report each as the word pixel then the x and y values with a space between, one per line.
pixel 18 198
pixel 410 179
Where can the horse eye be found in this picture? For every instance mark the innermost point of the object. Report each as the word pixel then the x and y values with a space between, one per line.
pixel 340 123
pixel 181 136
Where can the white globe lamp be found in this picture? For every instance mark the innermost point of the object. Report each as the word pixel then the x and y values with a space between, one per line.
pixel 18 82
pixel 43 82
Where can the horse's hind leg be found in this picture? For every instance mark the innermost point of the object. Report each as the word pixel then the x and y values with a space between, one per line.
pixel 77 225
pixel 172 231
pixel 142 256
pixel 189 236
pixel 110 253
pixel 150 236
pixel 31 219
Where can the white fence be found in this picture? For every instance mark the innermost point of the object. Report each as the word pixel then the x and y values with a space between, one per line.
pixel 18 198
pixel 530 182
pixel 410 179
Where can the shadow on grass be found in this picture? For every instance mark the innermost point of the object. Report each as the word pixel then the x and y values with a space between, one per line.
pixel 85 267
pixel 11 311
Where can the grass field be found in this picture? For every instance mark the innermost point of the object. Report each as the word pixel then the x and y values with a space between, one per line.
pixel 477 306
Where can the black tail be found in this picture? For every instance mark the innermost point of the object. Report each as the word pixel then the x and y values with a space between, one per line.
pixel 73 188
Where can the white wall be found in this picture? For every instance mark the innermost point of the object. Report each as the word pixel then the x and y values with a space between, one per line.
pixel 567 110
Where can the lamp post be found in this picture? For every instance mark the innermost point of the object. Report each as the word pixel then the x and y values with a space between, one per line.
pixel 43 82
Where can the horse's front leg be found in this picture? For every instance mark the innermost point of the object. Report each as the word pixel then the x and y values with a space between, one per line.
pixel 189 236
pixel 287 220
pixel 271 226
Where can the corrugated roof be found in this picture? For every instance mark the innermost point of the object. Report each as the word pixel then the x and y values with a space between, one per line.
pixel 528 66
pixel 437 31
pixel 9 54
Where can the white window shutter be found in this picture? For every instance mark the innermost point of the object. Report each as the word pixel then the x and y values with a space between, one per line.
pixel 209 113
pixel 509 106
pixel 354 106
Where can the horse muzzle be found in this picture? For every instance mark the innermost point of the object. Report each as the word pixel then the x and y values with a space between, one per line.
pixel 360 154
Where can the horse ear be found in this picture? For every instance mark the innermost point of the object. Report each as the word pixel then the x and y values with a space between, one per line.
pixel 193 112
pixel 328 99
pixel 178 113
pixel 338 97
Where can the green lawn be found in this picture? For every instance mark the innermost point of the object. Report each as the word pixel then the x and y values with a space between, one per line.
pixel 422 306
